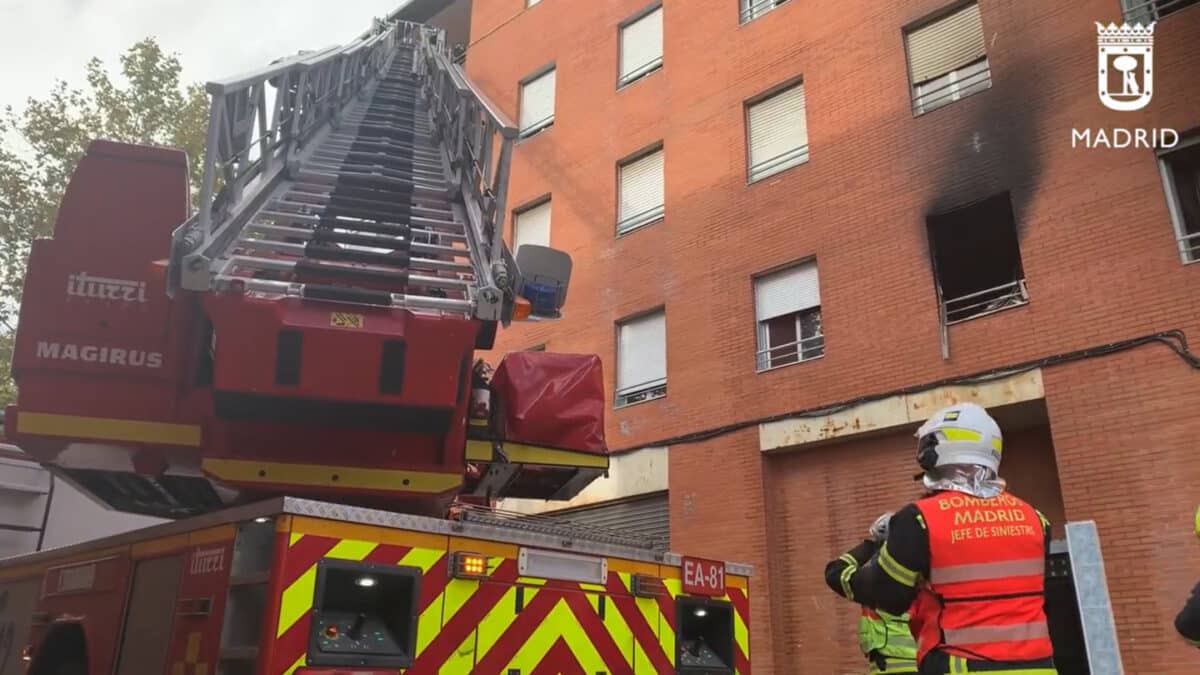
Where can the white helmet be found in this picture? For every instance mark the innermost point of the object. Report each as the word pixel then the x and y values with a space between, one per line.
pixel 960 434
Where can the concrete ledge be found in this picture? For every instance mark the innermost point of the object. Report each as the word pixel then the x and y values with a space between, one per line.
pixel 629 474
pixel 896 412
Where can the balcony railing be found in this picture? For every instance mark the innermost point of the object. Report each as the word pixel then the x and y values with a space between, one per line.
pixel 1189 247
pixel 640 393
pixel 788 353
pixel 985 302
pixel 1145 11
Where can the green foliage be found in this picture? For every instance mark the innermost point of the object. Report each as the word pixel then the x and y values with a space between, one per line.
pixel 40 146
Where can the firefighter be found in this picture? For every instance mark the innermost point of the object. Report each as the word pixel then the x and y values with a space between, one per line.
pixel 967 560
pixel 885 639
pixel 1187 622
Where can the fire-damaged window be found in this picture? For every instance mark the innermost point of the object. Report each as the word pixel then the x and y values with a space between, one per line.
pixel 1145 11
pixel 1181 180
pixel 787 309
pixel 977 259
pixel 642 359
pixel 947 59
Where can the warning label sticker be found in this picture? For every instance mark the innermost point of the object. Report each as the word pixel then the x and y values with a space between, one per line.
pixel 345 320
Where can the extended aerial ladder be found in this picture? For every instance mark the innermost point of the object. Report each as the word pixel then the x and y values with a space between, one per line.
pixel 311 329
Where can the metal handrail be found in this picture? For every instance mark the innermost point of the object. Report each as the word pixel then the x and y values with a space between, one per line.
pixel 1189 245
pixel 313 91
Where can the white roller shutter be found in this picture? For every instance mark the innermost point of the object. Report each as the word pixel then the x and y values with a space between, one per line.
pixel 945 45
pixel 532 226
pixel 642 193
pixel 642 352
pixel 778 132
pixel 537 102
pixel 787 291
pixel 641 45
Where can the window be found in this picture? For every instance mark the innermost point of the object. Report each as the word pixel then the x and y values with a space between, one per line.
pixel 1145 11
pixel 977 260
pixel 641 46
pixel 777 133
pixel 641 195
pixel 787 307
pixel 752 9
pixel 1181 180
pixel 531 3
pixel 947 59
pixel 537 104
pixel 642 359
pixel 532 226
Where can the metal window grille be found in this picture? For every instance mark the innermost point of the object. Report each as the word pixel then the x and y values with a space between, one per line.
pixel 642 359
pixel 752 9
pixel 537 104
pixel 1181 181
pixel 777 132
pixel 642 195
pixel 1146 11
pixel 787 308
pixel 532 226
pixel 947 59
pixel 642 47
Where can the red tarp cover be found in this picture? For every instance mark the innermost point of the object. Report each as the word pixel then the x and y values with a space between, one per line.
pixel 552 400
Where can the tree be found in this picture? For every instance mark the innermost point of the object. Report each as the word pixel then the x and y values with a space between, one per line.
pixel 40 146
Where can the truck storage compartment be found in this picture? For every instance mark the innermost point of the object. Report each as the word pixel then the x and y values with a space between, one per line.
pixel 704 636
pixel 364 615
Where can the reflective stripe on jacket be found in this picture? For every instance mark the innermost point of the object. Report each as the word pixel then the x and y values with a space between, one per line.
pixel 984 598
pixel 886 634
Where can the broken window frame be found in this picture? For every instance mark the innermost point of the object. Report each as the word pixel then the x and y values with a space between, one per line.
pixel 1187 235
pixel 987 301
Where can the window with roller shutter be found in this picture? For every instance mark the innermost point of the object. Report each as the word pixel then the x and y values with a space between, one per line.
pixel 641 196
pixel 532 226
pixel 1146 11
pixel 641 46
pixel 777 133
pixel 787 307
pixel 947 59
pixel 641 359
pixel 752 9
pixel 537 103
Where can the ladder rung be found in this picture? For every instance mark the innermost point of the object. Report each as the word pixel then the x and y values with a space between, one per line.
pixel 352 255
pixel 331 269
pixel 361 239
pixel 297 290
pixel 333 178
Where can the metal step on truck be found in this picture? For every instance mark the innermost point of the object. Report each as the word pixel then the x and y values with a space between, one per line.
pixel 289 371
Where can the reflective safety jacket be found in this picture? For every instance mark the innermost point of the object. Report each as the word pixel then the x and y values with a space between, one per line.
pixel 888 636
pixel 984 598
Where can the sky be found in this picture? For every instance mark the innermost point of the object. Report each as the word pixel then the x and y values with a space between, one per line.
pixel 44 40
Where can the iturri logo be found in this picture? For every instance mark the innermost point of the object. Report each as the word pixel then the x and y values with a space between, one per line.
pixel 1125 68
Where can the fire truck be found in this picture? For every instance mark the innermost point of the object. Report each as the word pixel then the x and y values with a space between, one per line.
pixel 287 370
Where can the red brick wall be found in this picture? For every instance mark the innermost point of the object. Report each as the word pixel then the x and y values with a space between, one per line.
pixel 1096 241
pixel 1125 433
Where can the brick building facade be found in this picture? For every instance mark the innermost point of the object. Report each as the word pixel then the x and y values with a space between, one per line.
pixel 873 171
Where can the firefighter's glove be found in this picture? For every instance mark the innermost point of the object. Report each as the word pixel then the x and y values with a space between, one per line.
pixel 879 529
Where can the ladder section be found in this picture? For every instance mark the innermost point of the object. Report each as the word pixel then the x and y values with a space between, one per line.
pixel 377 176
pixel 368 219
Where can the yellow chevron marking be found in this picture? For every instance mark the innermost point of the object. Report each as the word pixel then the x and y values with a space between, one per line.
pixel 561 622
pixel 291 669
pixel 531 581
pixel 297 599
pixel 430 620
pixel 295 537
pixel 499 618
pixel 421 557
pixel 740 634
pixel 615 624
